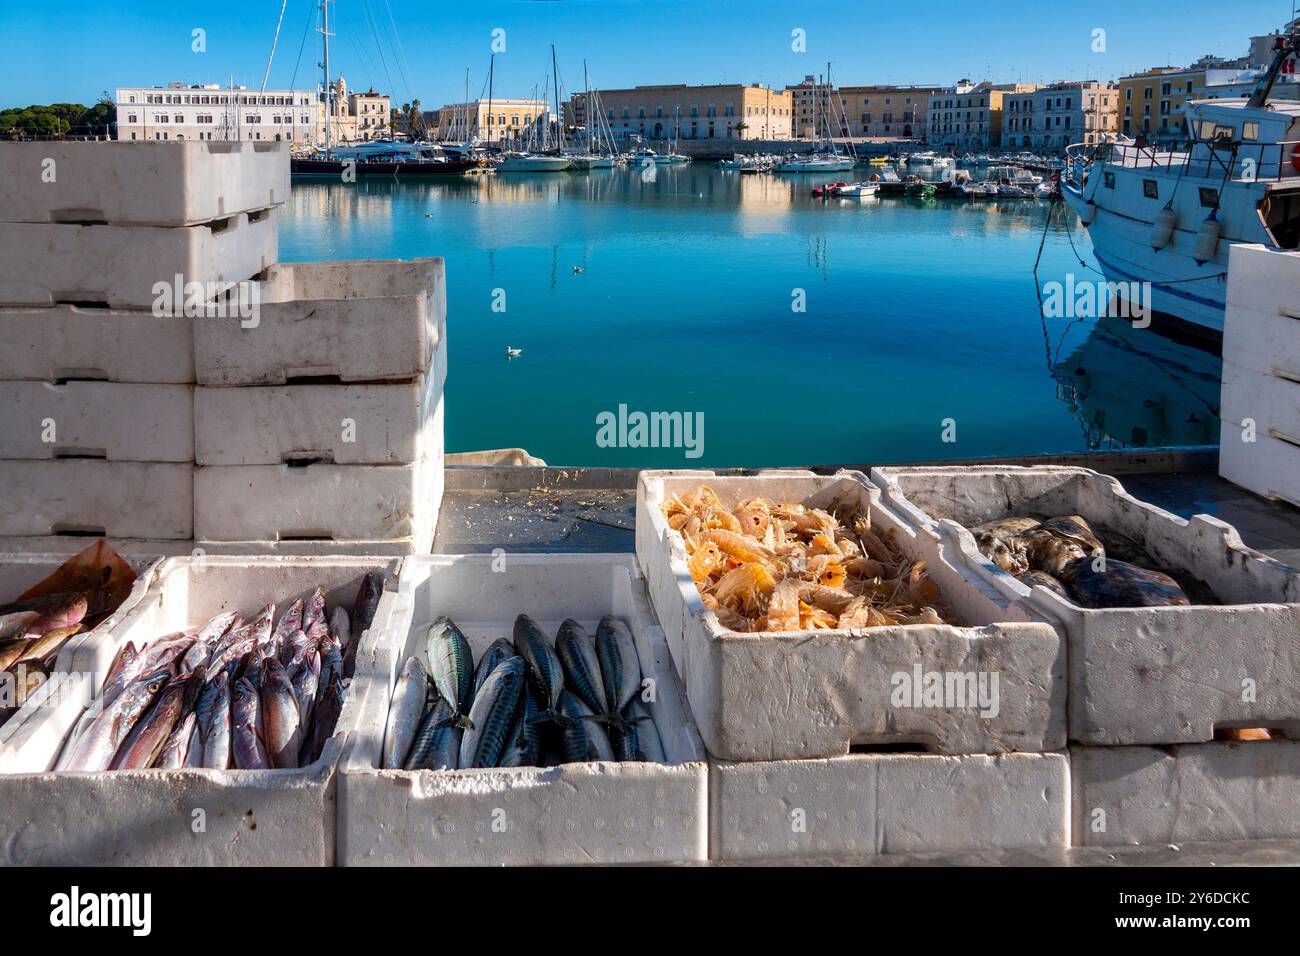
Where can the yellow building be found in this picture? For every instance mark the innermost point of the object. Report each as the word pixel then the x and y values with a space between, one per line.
pixel 720 111
pixel 506 121
pixel 890 112
pixel 356 117
pixel 969 114
pixel 1151 102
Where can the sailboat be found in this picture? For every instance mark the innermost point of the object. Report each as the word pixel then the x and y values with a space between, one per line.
pixel 590 155
pixel 379 158
pixel 826 158
pixel 547 159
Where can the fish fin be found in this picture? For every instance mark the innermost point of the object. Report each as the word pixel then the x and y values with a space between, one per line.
pixel 464 722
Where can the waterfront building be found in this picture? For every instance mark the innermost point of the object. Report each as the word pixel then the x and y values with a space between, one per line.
pixel 1058 115
pixel 969 115
pixel 356 117
pixel 1153 102
pixel 209 111
pixel 503 120
pixel 717 111
pixel 889 112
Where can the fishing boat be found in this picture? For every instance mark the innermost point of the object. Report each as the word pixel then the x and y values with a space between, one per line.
pixel 1168 216
pixel 827 189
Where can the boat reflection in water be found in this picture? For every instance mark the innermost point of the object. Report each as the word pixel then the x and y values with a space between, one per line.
pixel 1134 388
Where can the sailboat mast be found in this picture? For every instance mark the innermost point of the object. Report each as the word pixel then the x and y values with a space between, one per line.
pixel 465 131
pixel 325 64
pixel 559 120
pixel 492 62
pixel 586 106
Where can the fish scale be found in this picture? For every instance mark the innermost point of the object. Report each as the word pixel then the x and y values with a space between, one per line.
pixel 437 745
pixel 584 738
pixel 499 650
pixel 493 715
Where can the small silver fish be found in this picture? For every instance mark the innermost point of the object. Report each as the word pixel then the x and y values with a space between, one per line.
pixel 245 740
pixel 451 665
pixel 404 713
pixel 279 714
pixel 216 739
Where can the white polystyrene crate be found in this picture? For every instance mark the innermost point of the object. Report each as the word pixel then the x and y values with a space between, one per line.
pixel 597 812
pixel 133 267
pixel 318 505
pixel 1148 675
pixel 1269 402
pixel 1189 793
pixel 147 817
pixel 171 183
pixel 343 424
pixel 1268 466
pixel 106 499
pixel 862 805
pixel 51 344
pixel 20 571
pixel 107 420
pixel 1261 279
pixel 769 696
pixel 355 321
pixel 1263 342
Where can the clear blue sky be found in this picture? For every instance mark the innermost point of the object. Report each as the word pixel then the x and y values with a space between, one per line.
pixel 70 50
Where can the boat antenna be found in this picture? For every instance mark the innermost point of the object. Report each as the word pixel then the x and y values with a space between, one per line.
pixel 1286 46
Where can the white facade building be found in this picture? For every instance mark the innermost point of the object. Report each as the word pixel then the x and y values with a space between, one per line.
pixel 1061 114
pixel 211 112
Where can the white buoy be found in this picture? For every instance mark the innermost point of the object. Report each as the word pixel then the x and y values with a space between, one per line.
pixel 1163 230
pixel 1089 212
pixel 1207 238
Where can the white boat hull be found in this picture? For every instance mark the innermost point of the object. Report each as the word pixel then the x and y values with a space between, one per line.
pixel 1181 288
pixel 534 164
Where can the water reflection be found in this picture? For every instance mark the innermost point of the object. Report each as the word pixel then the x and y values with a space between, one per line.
pixel 1132 387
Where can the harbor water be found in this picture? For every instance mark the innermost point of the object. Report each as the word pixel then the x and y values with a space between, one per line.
pixel 798 330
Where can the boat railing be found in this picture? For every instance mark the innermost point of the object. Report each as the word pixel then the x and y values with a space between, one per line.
pixel 1205 159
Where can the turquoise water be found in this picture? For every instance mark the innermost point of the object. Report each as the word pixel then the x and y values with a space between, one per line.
pixel 916 313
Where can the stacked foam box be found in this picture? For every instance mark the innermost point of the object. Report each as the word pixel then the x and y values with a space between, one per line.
pixel 319 421
pixel 1151 689
pixel 1260 439
pixel 803 727
pixel 131 272
pixel 97 371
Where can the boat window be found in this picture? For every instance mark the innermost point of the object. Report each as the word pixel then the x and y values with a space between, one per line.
pixel 1250 131
pixel 1151 189
pixel 1209 197
pixel 1108 180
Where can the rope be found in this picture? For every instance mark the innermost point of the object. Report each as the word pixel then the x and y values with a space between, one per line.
pixel 267 75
